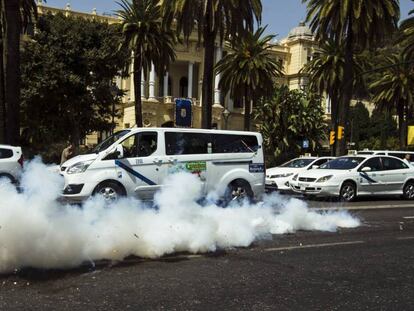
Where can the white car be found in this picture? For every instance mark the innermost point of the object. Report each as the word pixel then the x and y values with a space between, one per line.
pixel 361 175
pixel 278 178
pixel 11 163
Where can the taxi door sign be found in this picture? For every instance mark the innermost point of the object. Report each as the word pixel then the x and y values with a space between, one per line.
pixel 183 112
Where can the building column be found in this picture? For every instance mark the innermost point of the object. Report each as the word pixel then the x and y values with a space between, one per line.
pixel 152 83
pixel 165 88
pixel 167 97
pixel 190 79
pixel 142 85
pixel 217 92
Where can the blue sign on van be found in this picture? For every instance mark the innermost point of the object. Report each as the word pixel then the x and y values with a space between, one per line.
pixel 183 112
pixel 256 168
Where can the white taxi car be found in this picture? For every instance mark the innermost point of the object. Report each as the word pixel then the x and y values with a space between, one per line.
pixel 278 178
pixel 361 175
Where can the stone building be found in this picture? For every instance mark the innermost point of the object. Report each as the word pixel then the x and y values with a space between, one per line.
pixel 184 79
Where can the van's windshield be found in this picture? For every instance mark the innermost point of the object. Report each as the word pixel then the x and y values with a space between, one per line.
pixel 109 141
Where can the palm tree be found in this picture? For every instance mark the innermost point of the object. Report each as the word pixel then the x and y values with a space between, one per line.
pixel 249 70
pixel 407 31
pixel 359 24
pixel 15 15
pixel 326 75
pixel 393 89
pixel 211 19
pixel 148 38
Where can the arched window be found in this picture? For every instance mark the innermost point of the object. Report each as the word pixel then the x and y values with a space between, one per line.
pixel 183 87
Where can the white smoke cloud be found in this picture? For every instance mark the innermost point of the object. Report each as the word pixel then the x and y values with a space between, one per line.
pixel 37 231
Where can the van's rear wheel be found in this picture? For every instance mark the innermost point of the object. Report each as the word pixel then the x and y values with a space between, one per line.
pixel 7 178
pixel 110 191
pixel 238 190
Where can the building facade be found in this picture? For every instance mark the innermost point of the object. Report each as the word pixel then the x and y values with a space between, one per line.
pixel 184 79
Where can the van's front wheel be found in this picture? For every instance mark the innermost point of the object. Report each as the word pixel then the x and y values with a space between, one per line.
pixel 239 190
pixel 109 191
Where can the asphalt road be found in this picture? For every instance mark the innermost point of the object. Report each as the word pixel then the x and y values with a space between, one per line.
pixel 367 268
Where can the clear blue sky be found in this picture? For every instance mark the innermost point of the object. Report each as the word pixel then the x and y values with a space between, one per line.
pixel 280 15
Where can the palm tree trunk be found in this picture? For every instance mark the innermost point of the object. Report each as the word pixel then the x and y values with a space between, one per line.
pixel 207 88
pixel 401 124
pixel 333 95
pixel 247 108
pixel 137 87
pixel 347 89
pixel 12 70
pixel 3 127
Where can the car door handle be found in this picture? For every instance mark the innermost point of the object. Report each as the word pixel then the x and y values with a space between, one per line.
pixel 158 162
pixel 172 160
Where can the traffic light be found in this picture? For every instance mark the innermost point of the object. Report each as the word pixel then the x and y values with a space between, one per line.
pixel 332 138
pixel 340 132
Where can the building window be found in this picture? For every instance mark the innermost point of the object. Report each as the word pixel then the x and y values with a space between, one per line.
pixel 183 87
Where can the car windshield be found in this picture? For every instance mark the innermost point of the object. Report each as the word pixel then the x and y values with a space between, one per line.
pixel 298 163
pixel 109 141
pixel 345 163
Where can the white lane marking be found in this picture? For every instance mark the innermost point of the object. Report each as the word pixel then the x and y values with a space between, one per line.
pixel 312 246
pixel 408 217
pixel 405 238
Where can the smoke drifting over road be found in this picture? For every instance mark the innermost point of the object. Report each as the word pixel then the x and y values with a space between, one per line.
pixel 37 231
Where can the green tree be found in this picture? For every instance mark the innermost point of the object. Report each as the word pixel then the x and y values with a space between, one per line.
pixel 359 24
pixel 286 119
pixel 393 90
pixel 149 38
pixel 211 18
pixel 380 132
pixel 359 122
pixel 67 73
pixel 249 70
pixel 326 75
pixel 15 15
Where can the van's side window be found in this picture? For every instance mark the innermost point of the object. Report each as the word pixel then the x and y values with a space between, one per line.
pixel 6 153
pixel 227 143
pixel 140 145
pixel 177 143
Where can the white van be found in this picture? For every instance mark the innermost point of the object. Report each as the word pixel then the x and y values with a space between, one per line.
pixel 136 161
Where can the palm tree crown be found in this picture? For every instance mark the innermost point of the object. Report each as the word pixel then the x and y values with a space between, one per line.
pixel 149 38
pixel 249 69
pixel 211 18
pixel 394 89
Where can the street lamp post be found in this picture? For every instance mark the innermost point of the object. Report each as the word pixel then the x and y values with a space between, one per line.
pixel 226 114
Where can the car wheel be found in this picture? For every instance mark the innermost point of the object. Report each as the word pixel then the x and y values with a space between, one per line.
pixel 110 191
pixel 408 190
pixel 7 178
pixel 348 192
pixel 239 191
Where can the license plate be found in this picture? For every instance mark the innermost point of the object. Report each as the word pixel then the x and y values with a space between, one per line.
pixel 303 186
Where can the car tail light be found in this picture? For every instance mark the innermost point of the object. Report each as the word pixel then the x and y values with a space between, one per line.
pixel 20 161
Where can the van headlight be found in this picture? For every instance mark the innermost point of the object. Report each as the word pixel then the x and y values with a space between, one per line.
pixel 79 167
pixel 295 177
pixel 324 178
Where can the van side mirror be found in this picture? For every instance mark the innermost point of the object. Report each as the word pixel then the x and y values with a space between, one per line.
pixel 119 152
pixel 366 169
pixel 314 167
